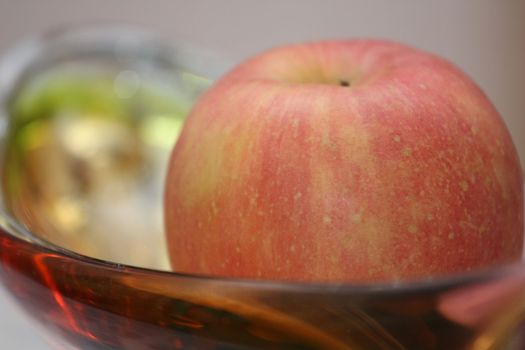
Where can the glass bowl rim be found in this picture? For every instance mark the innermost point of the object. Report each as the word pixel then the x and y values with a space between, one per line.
pixel 18 58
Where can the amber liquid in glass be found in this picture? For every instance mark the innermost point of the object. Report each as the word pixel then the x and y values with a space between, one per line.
pixel 113 308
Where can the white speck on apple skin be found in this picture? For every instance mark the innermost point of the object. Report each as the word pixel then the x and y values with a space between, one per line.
pixel 412 228
pixel 214 208
pixel 407 152
pixel 482 229
pixel 327 220
pixel 356 218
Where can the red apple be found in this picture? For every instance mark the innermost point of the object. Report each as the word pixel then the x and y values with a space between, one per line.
pixel 343 161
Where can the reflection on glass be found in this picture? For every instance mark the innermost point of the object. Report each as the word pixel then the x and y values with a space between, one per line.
pixel 87 148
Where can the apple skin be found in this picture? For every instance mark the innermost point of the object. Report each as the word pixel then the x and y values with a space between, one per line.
pixel 284 172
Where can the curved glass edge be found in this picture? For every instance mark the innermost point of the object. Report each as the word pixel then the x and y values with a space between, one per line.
pixel 14 64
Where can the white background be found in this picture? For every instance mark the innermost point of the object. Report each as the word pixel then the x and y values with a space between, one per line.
pixel 486 38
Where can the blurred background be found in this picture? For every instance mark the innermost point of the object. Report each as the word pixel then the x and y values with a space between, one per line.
pixel 485 38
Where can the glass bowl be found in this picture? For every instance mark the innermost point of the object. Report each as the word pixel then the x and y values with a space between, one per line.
pixel 88 120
